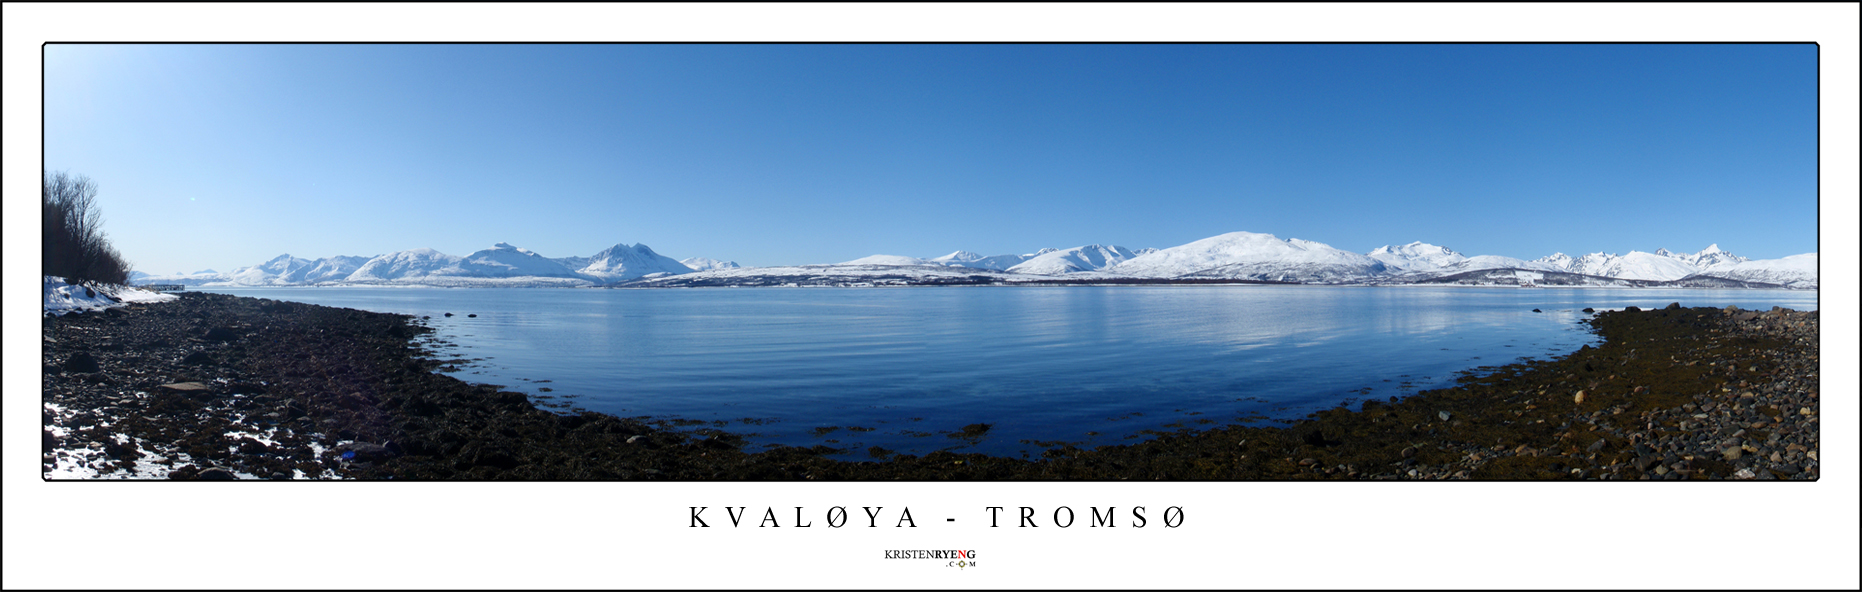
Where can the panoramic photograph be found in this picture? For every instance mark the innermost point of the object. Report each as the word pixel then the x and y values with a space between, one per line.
pixel 929 262
pixel 1020 296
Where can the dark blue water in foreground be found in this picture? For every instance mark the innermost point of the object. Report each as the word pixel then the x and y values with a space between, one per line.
pixel 1087 365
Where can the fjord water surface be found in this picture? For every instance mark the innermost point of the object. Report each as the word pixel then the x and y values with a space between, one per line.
pixel 905 369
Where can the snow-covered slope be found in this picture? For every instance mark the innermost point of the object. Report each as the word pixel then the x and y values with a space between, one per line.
pixel 269 272
pixel 409 264
pixel 1557 261
pixel 1249 255
pixel 958 258
pixel 1636 265
pixel 1077 259
pixel 1495 262
pixel 1416 257
pixel 707 263
pixel 572 262
pixel 198 278
pixel 505 260
pixel 61 298
pixel 283 270
pixel 327 269
pixel 1796 271
pixel 1708 257
pixel 888 260
pixel 1004 262
pixel 622 262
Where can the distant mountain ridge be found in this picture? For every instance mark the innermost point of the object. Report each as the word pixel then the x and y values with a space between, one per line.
pixel 1247 256
pixel 503 264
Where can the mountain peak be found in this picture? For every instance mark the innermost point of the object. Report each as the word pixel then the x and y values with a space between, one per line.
pixel 959 256
pixel 622 262
pixel 1243 234
pixel 1253 255
pixel 1416 256
pixel 707 264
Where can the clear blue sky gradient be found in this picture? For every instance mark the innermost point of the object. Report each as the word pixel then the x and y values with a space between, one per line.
pixel 220 156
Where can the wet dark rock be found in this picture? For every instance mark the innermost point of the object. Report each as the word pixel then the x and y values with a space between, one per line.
pixel 363 452
pixel 215 474
pixel 1673 306
pixel 82 362
pixel 198 358
pixel 1646 462
pixel 1589 309
pixel 1537 310
pixel 221 334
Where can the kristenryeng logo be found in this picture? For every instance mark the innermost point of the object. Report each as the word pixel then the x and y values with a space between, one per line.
pixel 960 559
pixel 930 554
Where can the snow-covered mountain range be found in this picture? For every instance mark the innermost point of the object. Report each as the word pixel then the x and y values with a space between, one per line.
pixel 503 264
pixel 1241 256
pixel 1249 256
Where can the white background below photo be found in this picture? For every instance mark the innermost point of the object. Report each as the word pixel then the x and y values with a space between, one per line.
pixel 637 535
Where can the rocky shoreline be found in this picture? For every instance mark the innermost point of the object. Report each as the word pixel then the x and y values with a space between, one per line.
pixel 222 387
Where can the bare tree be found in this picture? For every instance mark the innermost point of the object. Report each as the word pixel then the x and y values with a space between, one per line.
pixel 75 246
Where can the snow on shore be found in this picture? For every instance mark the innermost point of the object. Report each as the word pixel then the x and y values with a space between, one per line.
pixel 61 297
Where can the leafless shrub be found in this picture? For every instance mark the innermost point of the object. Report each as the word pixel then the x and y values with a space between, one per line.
pixel 75 245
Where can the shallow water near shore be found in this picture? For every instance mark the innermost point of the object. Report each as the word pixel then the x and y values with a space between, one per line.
pixel 906 369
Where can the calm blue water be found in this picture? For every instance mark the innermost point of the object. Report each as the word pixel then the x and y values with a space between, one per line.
pixel 1087 365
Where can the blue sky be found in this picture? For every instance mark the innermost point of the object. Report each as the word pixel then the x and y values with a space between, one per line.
pixel 220 156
